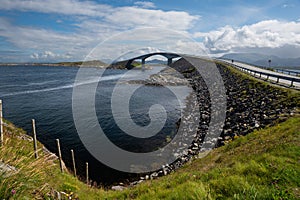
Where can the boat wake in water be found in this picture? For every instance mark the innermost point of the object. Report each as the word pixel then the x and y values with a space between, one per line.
pixel 67 86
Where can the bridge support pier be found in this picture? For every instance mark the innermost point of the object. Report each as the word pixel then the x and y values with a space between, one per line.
pixel 169 61
pixel 143 63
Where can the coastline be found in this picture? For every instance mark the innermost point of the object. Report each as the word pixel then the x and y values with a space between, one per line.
pixel 239 123
pixel 276 109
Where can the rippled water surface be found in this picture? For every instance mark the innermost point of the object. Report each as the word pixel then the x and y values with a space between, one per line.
pixel 45 94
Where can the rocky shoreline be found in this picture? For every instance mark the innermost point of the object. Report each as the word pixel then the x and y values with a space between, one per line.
pixel 166 77
pixel 251 105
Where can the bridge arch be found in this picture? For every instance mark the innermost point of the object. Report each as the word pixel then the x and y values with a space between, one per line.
pixel 169 56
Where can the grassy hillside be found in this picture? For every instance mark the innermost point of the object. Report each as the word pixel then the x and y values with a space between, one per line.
pixel 261 165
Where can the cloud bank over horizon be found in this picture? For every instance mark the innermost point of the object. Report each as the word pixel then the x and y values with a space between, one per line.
pixel 50 31
pixel 264 34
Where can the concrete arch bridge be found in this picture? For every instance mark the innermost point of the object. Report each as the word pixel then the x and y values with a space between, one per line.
pixel 169 56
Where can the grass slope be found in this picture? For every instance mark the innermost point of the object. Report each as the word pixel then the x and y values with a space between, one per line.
pixel 261 165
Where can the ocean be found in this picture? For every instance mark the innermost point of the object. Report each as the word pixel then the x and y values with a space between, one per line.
pixel 44 93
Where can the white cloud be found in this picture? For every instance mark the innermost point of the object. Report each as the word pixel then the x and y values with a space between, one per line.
pixel 127 17
pixel 96 22
pixel 133 17
pixel 50 45
pixel 34 56
pixel 30 39
pixel 136 42
pixel 144 4
pixel 67 7
pixel 49 55
pixel 93 23
pixel 270 34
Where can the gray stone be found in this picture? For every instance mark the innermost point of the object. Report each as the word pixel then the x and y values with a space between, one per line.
pixel 118 188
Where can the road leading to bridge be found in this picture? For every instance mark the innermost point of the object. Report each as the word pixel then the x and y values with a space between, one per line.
pixel 272 75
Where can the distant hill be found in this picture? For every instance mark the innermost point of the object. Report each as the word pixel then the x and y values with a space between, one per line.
pixel 122 64
pixel 262 60
pixel 281 62
pixel 94 63
pixel 245 57
pixel 156 61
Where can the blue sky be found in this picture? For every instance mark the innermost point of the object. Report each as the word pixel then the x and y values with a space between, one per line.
pixel 67 30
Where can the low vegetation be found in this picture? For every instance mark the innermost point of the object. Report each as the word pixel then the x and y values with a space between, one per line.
pixel 261 165
pixel 94 63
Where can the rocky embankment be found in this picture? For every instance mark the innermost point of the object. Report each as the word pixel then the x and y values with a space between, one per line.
pixel 250 105
pixel 168 76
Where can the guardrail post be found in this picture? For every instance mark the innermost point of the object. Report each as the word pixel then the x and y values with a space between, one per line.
pixel 277 80
pixel 292 82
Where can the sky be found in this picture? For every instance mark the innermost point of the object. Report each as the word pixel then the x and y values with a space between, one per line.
pixel 68 30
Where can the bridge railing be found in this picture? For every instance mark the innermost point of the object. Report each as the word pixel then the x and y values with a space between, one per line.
pixel 259 74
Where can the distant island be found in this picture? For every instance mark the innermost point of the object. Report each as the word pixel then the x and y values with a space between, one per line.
pixel 93 63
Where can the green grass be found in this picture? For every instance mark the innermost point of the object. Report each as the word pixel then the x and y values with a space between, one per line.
pixel 261 165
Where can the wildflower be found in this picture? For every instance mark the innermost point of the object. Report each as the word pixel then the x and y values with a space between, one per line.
pixel 13 191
